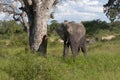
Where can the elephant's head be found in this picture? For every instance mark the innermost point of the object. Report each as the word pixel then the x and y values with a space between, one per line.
pixel 61 30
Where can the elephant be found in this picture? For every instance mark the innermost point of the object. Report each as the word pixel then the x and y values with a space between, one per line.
pixel 74 35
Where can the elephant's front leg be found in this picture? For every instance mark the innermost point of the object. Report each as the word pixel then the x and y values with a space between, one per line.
pixel 66 48
pixel 74 49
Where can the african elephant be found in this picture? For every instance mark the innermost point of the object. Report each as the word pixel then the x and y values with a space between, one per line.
pixel 74 35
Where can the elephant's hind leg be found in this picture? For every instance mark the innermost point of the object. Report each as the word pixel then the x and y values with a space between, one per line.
pixel 83 48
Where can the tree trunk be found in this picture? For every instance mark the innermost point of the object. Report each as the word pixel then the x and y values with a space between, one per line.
pixel 38 33
pixel 38 28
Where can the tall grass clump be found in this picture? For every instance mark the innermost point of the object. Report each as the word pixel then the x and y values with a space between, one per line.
pixel 25 66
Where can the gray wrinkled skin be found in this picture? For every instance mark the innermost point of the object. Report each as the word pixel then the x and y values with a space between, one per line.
pixel 73 35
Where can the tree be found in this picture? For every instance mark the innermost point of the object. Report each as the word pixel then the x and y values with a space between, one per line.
pixel 53 25
pixel 112 10
pixel 94 26
pixel 34 15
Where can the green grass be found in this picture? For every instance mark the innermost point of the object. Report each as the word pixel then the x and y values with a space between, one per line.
pixel 103 62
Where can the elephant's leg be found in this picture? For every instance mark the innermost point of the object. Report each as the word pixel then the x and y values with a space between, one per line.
pixel 66 49
pixel 83 48
pixel 74 49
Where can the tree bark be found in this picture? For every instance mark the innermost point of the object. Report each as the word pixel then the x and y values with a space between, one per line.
pixel 38 33
pixel 38 25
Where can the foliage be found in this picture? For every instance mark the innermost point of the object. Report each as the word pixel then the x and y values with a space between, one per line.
pixel 10 27
pixel 52 27
pixel 93 27
pixel 96 29
pixel 112 10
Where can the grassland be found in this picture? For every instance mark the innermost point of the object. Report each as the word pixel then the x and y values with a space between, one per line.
pixel 16 63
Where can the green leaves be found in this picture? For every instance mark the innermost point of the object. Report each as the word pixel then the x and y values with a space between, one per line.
pixel 112 10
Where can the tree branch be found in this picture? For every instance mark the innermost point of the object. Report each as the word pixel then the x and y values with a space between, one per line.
pixel 17 16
